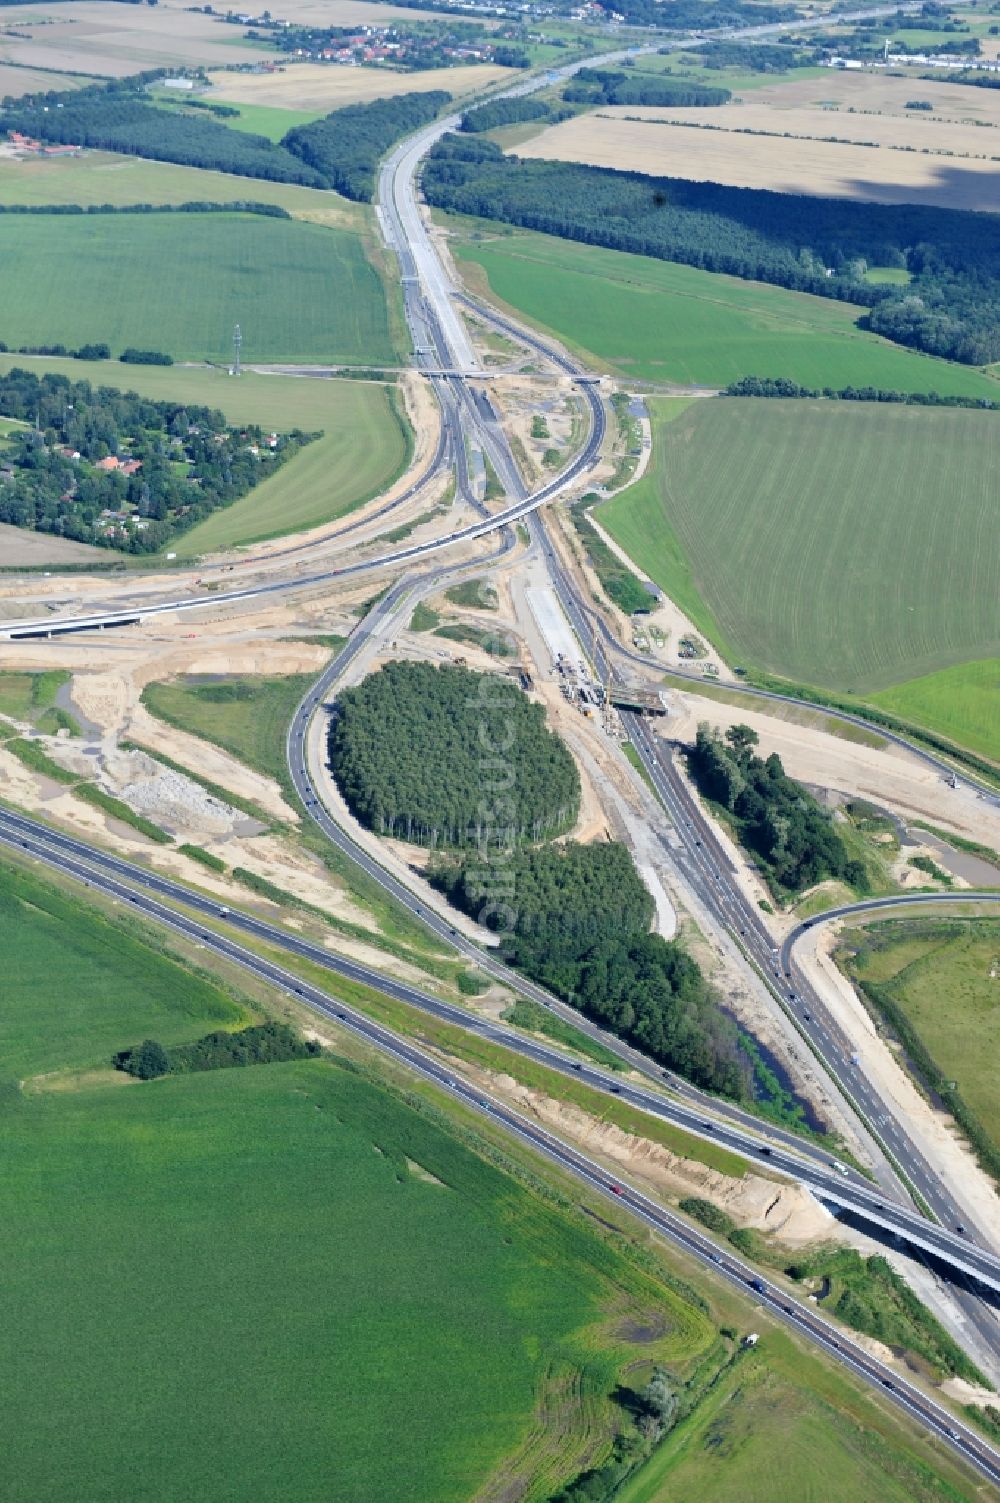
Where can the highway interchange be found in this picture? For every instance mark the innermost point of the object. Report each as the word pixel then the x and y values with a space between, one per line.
pixel 440 336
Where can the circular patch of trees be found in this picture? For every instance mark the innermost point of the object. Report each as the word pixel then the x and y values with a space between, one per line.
pixel 448 757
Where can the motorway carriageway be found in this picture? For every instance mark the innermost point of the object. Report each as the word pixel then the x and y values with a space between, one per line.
pixel 709 871
pixel 76 860
pixel 134 885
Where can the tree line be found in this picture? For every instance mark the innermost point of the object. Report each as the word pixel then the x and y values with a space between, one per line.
pixel 581 920
pixel 448 757
pixel 192 206
pixel 118 117
pixel 792 836
pixel 261 1044
pixel 94 351
pixel 780 386
pixel 951 307
pixel 599 86
pixel 176 464
pixel 509 112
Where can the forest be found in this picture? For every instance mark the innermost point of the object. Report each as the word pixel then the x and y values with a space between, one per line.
pixel 950 307
pixel 581 920
pixel 698 15
pixel 448 757
pixel 757 57
pixel 340 151
pixel 509 112
pixel 111 468
pixel 344 148
pixel 118 117
pixel 794 839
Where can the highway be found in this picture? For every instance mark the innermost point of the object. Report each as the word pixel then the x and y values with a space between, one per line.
pixel 123 883
pixel 712 880
pixel 149 892
pixel 317 701
pixel 439 333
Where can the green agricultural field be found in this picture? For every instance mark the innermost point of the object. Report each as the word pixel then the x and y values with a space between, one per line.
pixel 942 976
pixel 779 1428
pixel 365 443
pixel 963 703
pixel 77 986
pixel 270 120
pixel 102 177
pixel 837 544
pixel 179 282
pixel 657 321
pixel 374 1310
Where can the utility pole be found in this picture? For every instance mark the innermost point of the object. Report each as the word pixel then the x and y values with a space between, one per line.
pixel 237 341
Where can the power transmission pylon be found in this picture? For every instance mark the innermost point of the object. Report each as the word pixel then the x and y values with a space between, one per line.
pixel 237 341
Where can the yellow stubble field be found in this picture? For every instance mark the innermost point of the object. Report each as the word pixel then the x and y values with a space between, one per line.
pixel 926 157
pixel 316 86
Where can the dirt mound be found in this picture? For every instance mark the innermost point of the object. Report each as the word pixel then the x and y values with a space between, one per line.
pixel 769 1205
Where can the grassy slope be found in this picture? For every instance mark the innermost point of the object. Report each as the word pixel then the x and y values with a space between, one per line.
pixel 779 1428
pixel 102 177
pixel 189 1237
pixel 329 476
pixel 941 978
pixel 657 321
pixel 758 512
pixel 253 728
pixel 179 283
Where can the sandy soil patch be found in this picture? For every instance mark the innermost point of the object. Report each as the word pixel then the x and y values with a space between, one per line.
pixel 934 1132
pixel 312 86
pixel 209 762
pixel 786 166
pixel 889 776
pixel 768 1205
